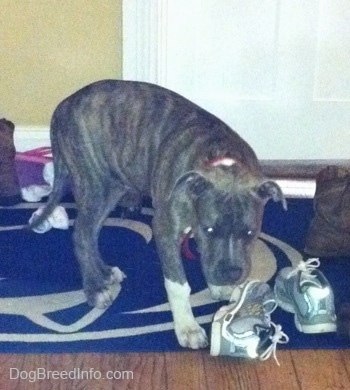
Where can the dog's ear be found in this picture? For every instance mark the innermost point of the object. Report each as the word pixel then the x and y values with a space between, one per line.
pixel 191 184
pixel 271 190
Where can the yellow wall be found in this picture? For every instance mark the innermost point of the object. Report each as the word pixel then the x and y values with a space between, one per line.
pixel 50 48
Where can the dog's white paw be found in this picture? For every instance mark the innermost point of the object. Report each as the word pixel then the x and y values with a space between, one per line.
pixel 117 276
pixel 191 336
pixel 106 296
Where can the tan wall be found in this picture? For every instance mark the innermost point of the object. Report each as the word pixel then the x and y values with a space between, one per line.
pixel 50 48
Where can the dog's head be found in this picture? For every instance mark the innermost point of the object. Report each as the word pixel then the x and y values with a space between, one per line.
pixel 225 224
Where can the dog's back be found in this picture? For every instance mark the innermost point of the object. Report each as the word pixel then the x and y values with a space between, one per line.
pixel 141 132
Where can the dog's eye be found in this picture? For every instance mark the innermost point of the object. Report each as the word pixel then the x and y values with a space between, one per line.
pixel 249 233
pixel 209 230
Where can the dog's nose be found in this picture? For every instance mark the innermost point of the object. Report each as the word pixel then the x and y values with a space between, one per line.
pixel 230 274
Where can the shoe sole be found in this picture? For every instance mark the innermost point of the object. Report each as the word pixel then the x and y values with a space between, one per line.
pixel 327 327
pixel 215 343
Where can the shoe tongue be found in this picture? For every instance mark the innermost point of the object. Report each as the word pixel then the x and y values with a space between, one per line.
pixel 309 280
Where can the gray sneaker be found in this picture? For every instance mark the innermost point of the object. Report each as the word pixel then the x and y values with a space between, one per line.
pixel 244 329
pixel 306 292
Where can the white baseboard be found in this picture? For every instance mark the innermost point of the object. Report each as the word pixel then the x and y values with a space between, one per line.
pixel 31 137
pixel 297 188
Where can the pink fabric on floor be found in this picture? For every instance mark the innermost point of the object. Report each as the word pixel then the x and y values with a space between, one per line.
pixel 30 165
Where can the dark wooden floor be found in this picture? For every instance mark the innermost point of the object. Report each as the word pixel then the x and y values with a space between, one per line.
pixel 304 370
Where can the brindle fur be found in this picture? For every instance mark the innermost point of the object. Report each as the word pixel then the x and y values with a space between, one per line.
pixel 120 140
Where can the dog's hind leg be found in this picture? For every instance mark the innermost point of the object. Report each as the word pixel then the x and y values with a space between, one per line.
pixel 94 202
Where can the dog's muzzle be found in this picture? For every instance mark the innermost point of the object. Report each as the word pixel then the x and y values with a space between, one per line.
pixel 226 274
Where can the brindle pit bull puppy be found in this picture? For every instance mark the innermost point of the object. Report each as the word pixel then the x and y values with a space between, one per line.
pixel 120 140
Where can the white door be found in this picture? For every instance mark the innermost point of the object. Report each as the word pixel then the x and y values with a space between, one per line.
pixel 277 71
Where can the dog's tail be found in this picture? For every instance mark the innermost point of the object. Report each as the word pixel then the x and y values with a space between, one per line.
pixel 59 185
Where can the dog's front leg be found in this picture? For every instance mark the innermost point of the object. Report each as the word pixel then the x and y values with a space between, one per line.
pixel 188 332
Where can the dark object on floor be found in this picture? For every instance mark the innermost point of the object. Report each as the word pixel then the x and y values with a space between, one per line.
pixel 343 319
pixel 10 192
pixel 329 231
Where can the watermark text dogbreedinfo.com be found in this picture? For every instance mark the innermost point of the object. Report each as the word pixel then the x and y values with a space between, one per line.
pixel 40 374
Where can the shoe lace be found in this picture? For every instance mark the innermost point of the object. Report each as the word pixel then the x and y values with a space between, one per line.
pixel 277 337
pixel 306 267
